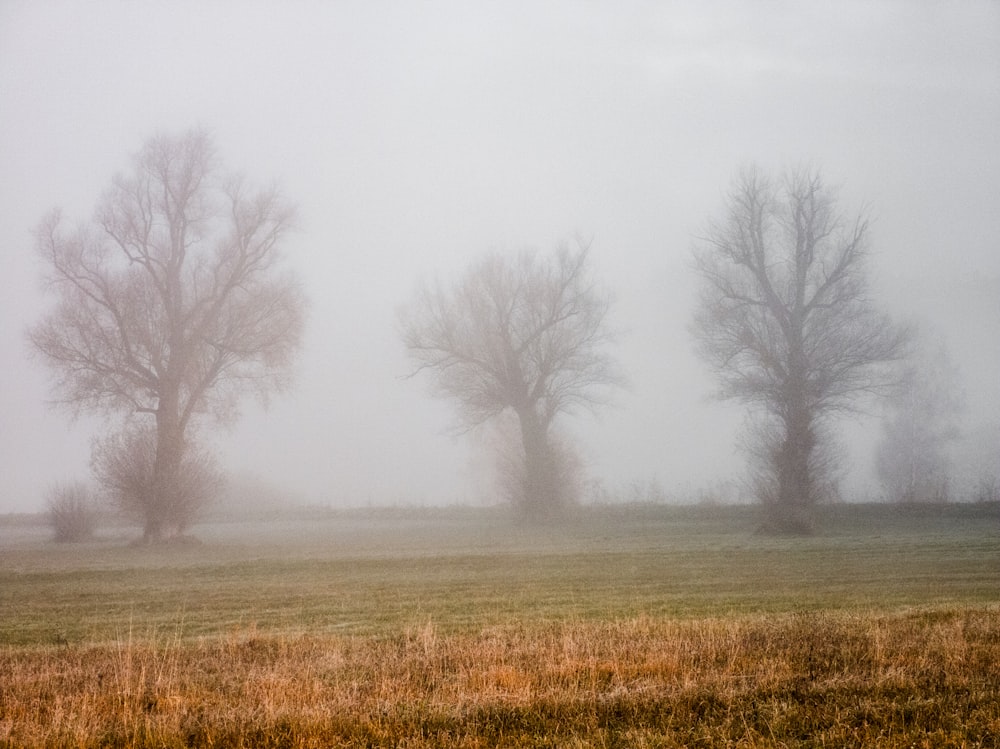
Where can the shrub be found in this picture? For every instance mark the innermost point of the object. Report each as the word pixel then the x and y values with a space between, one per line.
pixel 987 490
pixel 71 512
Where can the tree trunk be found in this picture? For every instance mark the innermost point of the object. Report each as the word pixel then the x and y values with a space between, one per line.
pixel 792 510
pixel 791 513
pixel 540 495
pixel 161 519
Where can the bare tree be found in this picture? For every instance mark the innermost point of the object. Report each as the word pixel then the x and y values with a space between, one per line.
pixel 523 334
pixel 920 425
pixel 785 321
pixel 170 303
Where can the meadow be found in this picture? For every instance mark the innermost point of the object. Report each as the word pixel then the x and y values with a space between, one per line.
pixel 628 626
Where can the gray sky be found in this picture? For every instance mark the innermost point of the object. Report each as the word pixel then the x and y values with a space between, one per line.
pixel 416 136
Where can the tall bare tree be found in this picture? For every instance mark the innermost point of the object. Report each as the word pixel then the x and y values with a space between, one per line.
pixel 170 303
pixel 524 334
pixel 786 323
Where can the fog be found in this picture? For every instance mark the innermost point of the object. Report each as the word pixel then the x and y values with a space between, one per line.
pixel 416 137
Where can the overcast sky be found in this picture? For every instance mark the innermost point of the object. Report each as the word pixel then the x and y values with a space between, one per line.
pixel 414 137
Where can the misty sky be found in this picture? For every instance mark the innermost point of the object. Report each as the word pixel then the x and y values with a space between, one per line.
pixel 414 137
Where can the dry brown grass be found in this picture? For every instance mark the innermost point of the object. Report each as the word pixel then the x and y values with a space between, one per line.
pixel 922 678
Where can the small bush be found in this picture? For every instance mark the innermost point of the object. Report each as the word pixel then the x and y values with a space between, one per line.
pixel 71 512
pixel 987 490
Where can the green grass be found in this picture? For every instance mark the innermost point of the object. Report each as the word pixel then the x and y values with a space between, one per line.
pixel 377 574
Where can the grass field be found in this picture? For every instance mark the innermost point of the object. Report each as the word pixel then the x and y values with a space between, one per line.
pixel 638 626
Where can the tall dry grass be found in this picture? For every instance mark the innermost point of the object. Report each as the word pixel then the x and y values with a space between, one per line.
pixel 929 678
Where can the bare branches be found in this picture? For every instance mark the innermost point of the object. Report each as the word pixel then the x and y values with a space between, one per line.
pixel 514 333
pixel 179 270
pixel 781 279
